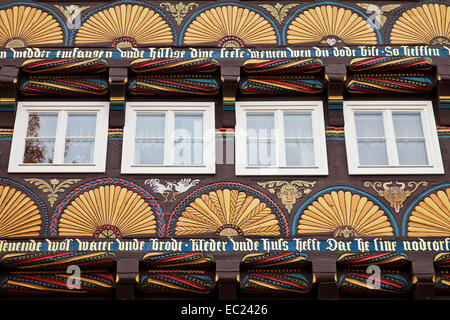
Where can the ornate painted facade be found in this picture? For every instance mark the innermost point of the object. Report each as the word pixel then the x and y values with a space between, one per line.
pixel 219 235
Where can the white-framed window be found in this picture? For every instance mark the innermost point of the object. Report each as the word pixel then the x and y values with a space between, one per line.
pixel 280 138
pixel 391 137
pixel 169 137
pixel 60 137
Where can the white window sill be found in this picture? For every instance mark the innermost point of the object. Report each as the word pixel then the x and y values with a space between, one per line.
pixel 135 169
pixel 56 168
pixel 395 170
pixel 286 171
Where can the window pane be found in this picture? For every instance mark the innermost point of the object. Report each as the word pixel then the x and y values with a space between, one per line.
pixel 189 126
pixel 79 151
pixel 42 125
pixel 188 152
pixel 412 152
pixel 299 153
pixel 39 151
pixel 369 125
pixel 407 125
pixel 150 126
pixel 149 152
pixel 79 125
pixel 260 125
pixel 297 125
pixel 261 153
pixel 372 152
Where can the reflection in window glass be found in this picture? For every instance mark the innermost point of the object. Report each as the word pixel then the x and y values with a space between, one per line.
pixel 40 140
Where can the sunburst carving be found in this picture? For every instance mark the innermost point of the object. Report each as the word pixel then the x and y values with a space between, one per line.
pixel 124 26
pixel 107 212
pixel 425 24
pixel 431 217
pixel 19 215
pixel 22 26
pixel 331 24
pixel 344 214
pixel 230 26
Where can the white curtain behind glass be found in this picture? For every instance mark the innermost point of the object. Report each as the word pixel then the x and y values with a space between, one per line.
pixel 409 138
pixel 299 143
pixel 261 139
pixel 150 132
pixel 371 139
pixel 80 138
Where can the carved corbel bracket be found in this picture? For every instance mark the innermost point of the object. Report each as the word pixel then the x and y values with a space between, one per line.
pixel 335 74
pixel 118 78
pixel 423 271
pixel 227 271
pixel 8 94
pixel 444 95
pixel 325 271
pixel 127 271
pixel 229 75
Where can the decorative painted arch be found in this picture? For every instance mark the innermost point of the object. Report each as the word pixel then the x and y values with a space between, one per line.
pixel 429 214
pixel 25 24
pixel 423 23
pixel 344 210
pixel 230 25
pixel 22 212
pixel 227 209
pixel 108 208
pixel 313 23
pixel 125 24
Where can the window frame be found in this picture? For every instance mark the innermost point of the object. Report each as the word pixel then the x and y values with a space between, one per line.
pixel 280 107
pixel 425 108
pixel 62 108
pixel 129 137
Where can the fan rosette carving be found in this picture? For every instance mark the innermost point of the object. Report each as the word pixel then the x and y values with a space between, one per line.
pixel 124 25
pixel 108 208
pixel 431 216
pixel 344 213
pixel 227 209
pixel 230 27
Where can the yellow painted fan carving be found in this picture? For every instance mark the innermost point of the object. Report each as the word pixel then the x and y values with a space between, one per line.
pixel 431 218
pixel 19 215
pixel 22 26
pixel 107 212
pixel 344 214
pixel 230 26
pixel 125 25
pixel 228 213
pixel 426 24
pixel 330 24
